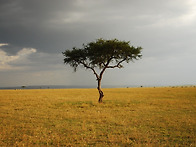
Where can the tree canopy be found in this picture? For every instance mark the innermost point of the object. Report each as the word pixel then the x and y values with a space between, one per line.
pixel 102 54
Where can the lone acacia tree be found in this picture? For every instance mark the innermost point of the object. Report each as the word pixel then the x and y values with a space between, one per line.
pixel 102 54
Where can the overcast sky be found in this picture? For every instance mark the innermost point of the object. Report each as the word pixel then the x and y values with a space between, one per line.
pixel 34 33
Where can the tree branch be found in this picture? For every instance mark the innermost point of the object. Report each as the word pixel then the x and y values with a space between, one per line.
pixel 88 67
pixel 105 66
pixel 117 65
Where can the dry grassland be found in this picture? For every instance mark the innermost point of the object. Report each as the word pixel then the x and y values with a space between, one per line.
pixel 73 117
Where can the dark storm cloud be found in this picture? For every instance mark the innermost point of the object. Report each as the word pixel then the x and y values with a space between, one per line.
pixel 26 23
pixel 52 25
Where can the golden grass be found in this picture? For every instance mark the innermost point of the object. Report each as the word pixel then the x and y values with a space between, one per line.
pixel 73 117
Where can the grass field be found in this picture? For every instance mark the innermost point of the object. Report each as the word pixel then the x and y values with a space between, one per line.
pixel 73 117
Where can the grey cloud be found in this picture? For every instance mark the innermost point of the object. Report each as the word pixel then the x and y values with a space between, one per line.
pixel 51 25
pixel 164 28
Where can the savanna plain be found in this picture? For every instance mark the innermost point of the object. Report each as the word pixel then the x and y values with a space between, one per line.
pixel 161 116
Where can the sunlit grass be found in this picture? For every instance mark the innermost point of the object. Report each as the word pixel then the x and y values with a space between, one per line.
pixel 73 117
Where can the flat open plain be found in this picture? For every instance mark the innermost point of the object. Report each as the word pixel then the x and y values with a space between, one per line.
pixel 163 116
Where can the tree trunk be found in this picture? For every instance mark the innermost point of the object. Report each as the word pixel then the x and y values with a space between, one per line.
pixel 100 91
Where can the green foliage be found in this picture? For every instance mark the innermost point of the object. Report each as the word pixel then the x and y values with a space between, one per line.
pixel 102 53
